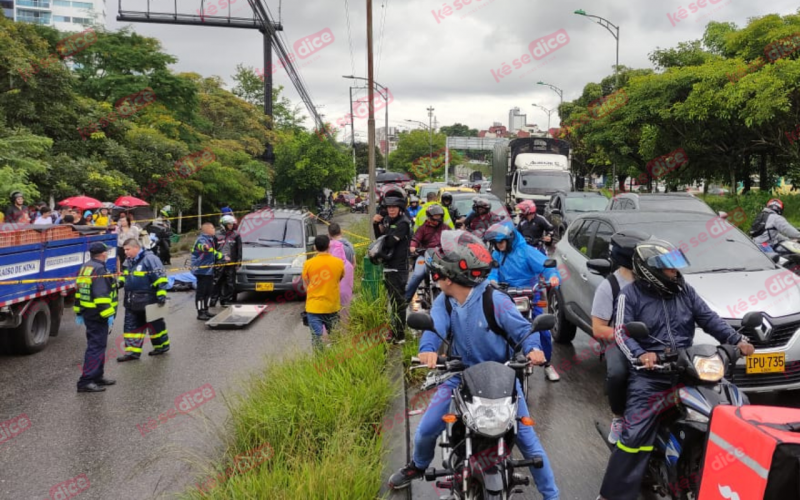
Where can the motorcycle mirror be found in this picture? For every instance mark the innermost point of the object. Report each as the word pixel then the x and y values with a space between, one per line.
pixel 637 330
pixel 543 322
pixel 752 319
pixel 421 322
pixel 602 267
pixel 550 263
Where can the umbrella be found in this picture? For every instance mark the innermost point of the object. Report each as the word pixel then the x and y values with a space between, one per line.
pixel 130 201
pixel 82 202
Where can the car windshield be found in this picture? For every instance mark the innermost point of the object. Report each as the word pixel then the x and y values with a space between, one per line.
pixel 464 205
pixel 544 181
pixel 424 190
pixel 276 232
pixel 587 204
pixel 714 246
pixel 657 204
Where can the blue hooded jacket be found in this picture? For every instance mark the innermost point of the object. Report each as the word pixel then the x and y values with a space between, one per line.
pixel 521 266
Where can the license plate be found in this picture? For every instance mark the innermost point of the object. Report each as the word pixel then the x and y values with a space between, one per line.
pixel 766 363
pixel 265 287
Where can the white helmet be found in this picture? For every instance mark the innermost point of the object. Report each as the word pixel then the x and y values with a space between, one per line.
pixel 227 219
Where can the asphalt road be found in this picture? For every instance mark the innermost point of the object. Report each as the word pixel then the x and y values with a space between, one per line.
pixel 565 413
pixel 97 435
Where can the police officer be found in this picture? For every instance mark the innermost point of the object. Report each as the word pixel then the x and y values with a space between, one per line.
pixel 95 306
pixel 145 283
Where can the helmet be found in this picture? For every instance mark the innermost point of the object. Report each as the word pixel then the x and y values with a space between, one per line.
pixel 164 212
pixel 651 257
pixel 502 231
pixel 622 246
pixel 413 199
pixel 14 196
pixel 526 208
pixel 410 190
pixel 227 219
pixel 481 202
pixel 462 257
pixel 435 211
pixel 776 205
pixel 447 197
pixel 393 196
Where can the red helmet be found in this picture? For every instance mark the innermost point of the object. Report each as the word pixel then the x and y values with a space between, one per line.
pixel 776 205
pixel 526 208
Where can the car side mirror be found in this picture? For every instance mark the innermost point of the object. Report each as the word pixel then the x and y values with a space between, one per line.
pixel 421 322
pixel 311 241
pixel 550 263
pixel 637 330
pixel 543 322
pixel 752 319
pixel 601 267
pixel 555 211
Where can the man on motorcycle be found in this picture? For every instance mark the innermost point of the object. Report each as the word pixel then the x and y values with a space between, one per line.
pixel 427 236
pixel 413 206
pixel 481 217
pixel 460 267
pixel 447 203
pixel 660 298
pixel 419 220
pixel 533 226
pixel 520 266
pixel 774 226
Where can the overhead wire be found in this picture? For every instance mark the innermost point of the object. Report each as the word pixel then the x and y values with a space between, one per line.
pixel 349 37
pixel 384 8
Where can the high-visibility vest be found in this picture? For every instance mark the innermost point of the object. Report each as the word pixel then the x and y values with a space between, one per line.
pixel 752 453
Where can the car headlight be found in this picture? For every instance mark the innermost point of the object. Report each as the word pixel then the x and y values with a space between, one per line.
pixel 709 369
pixel 523 304
pixel 695 416
pixel 299 261
pixel 490 417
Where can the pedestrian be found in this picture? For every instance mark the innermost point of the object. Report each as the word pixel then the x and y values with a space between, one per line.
pixel 335 234
pixel 44 217
pixel 321 276
pixel 15 212
pixel 204 256
pixel 338 250
pixel 145 283
pixel 101 219
pixel 229 243
pixel 95 306
pixel 125 232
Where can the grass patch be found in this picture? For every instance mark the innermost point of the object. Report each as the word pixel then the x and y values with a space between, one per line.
pixel 752 203
pixel 317 414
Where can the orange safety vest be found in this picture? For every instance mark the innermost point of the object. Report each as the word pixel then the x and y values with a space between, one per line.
pixel 752 453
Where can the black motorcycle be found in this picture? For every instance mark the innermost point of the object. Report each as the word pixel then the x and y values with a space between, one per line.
pixel 428 290
pixel 360 207
pixel 676 462
pixel 325 213
pixel 163 234
pixel 482 423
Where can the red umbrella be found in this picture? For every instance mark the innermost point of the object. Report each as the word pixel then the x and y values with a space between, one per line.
pixel 130 201
pixel 82 202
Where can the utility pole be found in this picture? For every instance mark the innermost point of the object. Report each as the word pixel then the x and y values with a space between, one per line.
pixel 430 130
pixel 371 120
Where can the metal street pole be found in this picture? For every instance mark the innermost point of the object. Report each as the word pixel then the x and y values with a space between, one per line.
pixel 430 140
pixel 385 96
pixel 558 91
pixel 371 119
pixel 548 111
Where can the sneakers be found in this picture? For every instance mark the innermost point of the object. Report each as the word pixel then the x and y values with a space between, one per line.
pixel 616 430
pixel 402 478
pixel 551 374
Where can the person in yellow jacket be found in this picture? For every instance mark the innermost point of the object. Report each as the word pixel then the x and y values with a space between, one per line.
pixel 101 218
pixel 421 217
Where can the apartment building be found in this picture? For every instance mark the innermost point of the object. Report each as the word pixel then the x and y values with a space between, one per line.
pixel 64 15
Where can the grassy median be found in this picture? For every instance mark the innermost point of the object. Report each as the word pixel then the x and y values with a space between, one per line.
pixel 313 419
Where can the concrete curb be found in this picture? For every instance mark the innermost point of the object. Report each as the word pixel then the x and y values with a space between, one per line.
pixel 395 439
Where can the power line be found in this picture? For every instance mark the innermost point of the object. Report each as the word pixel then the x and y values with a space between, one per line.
pixel 380 39
pixel 349 37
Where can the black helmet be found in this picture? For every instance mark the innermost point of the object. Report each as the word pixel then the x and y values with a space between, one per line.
pixel 462 257
pixel 393 196
pixel 651 257
pixel 481 202
pixel 14 196
pixel 502 231
pixel 622 245
pixel 447 197
pixel 433 211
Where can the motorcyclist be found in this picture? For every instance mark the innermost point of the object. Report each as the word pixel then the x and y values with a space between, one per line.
pixel 661 299
pixel 460 267
pixel 229 243
pixel 413 206
pixel 17 208
pixel 776 227
pixel 447 203
pixel 481 217
pixel 534 228
pixel 419 220
pixel 427 236
pixel 520 266
pixel 162 229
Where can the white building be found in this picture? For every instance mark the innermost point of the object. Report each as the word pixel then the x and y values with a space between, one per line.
pixel 380 138
pixel 516 120
pixel 64 15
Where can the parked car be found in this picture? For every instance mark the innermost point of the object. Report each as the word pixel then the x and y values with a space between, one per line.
pixel 273 240
pixel 726 269
pixel 463 202
pixel 659 202
pixel 565 206
pixel 424 188
pixel 348 199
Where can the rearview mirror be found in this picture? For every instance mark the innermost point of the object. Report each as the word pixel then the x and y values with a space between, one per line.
pixel 752 319
pixel 421 322
pixel 550 263
pixel 637 330
pixel 602 267
pixel 543 322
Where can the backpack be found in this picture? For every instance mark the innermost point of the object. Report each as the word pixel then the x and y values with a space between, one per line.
pixel 488 313
pixel 759 224
pixel 615 288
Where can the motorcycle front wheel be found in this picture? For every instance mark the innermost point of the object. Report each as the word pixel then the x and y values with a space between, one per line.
pixel 690 466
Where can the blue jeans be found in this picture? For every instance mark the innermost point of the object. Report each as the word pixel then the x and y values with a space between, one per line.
pixel 316 322
pixel 415 279
pixel 431 427
pixel 545 336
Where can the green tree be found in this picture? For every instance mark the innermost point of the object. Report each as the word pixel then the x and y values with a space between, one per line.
pixel 459 130
pixel 362 158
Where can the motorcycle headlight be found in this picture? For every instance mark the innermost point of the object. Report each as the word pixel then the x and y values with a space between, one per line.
pixel 523 304
pixel 709 369
pixel 299 261
pixel 490 417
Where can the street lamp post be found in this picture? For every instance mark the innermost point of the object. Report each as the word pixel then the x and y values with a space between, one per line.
pixel 605 23
pixel 548 111
pixel 556 90
pixel 430 130
pixel 385 96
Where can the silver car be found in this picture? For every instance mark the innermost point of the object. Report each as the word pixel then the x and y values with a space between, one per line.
pixel 727 270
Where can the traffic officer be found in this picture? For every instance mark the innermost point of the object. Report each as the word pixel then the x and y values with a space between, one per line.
pixel 95 306
pixel 145 283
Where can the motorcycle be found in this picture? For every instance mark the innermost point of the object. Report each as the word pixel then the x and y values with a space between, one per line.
pixel 785 254
pixel 360 207
pixel 325 213
pixel 160 234
pixel 684 426
pixel 429 289
pixel 480 432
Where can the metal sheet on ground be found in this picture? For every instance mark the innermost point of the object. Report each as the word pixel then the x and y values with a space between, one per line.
pixel 237 316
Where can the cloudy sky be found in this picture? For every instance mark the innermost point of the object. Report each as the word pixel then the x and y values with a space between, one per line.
pixel 451 62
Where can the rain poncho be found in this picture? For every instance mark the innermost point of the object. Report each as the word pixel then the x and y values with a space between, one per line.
pixel 346 284
pixel 522 266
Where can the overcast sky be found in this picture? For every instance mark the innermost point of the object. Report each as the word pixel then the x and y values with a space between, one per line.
pixel 427 58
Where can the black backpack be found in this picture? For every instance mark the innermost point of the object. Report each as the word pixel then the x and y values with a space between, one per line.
pixel 614 282
pixel 759 224
pixel 488 313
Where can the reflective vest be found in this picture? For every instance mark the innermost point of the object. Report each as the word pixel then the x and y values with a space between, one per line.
pixel 145 272
pixel 96 295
